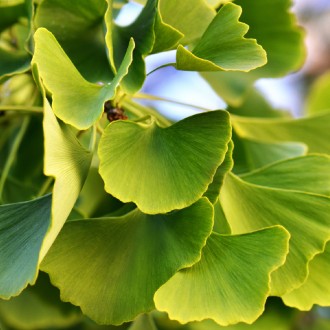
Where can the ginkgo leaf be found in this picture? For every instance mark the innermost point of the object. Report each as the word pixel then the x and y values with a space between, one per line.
pixel 75 101
pixel 68 162
pixel 80 34
pixel 191 23
pixel 294 176
pixel 285 48
pixel 38 307
pixel 96 263
pixel 316 289
pixel 230 284
pixel 312 131
pixel 305 215
pixel 223 46
pixel 160 169
pixel 22 229
pixel 318 98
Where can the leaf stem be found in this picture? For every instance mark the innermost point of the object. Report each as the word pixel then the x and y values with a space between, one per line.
pixel 140 111
pixel 21 108
pixel 160 67
pixel 157 98
pixel 13 153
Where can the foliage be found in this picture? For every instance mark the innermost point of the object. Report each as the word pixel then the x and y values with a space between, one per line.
pixel 112 213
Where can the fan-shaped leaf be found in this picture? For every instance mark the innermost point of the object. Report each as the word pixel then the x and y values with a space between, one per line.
pixel 111 267
pixel 80 33
pixel 223 46
pixel 75 100
pixel 230 283
pixel 305 215
pixel 67 161
pixel 159 169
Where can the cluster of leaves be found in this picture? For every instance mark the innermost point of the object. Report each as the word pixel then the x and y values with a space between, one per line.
pixel 137 219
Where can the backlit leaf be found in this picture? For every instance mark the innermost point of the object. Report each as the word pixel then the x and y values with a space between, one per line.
pixel 75 101
pixel 223 46
pixel 22 229
pixel 97 263
pixel 67 161
pixel 305 215
pixel 230 283
pixel 159 169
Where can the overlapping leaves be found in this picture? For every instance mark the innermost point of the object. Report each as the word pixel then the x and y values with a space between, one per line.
pixel 110 251
pixel 300 206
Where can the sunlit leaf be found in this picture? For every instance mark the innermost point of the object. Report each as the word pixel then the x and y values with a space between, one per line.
pixel 22 229
pixel 230 283
pixel 97 263
pixel 38 307
pixel 80 33
pixel 75 101
pixel 223 46
pixel 305 215
pixel 159 169
pixel 67 161
pixel 192 22
pixel 316 289
pixel 318 98
pixel 312 131
pixel 276 30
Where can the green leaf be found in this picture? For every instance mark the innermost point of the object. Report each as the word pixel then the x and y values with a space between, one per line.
pixel 312 131
pixel 118 39
pixel 160 169
pixel 75 101
pixel 294 175
pixel 38 307
pixel 250 155
pixel 111 251
pixel 80 33
pixel 22 229
pixel 223 46
pixel 305 215
pixel 285 48
pixel 213 190
pixel 275 27
pixel 316 288
pixel 190 22
pixel 68 162
pixel 318 98
pixel 230 283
